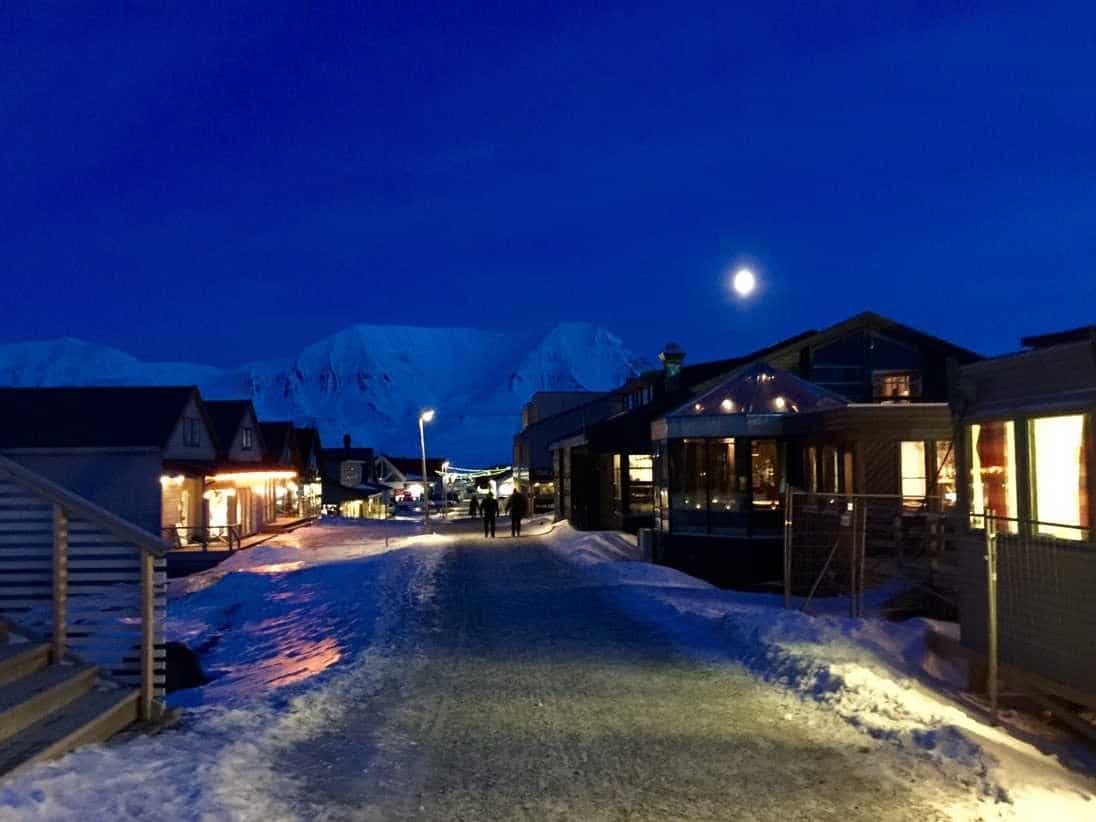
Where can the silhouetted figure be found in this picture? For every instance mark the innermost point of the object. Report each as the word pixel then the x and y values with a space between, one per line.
pixel 490 512
pixel 473 507
pixel 518 508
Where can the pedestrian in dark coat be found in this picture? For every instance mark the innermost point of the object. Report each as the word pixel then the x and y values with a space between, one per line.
pixel 490 511
pixel 473 507
pixel 518 508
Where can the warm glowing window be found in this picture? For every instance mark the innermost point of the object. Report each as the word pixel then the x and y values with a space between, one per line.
pixel 993 472
pixel 767 473
pixel 914 481
pixel 640 483
pixel 896 386
pixel 946 487
pixel 1060 476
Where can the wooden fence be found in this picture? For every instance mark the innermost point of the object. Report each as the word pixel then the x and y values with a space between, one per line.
pixel 83 578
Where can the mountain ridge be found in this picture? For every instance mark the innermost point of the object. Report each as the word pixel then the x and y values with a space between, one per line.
pixel 370 380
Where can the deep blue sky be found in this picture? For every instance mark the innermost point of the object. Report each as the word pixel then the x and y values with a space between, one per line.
pixel 223 185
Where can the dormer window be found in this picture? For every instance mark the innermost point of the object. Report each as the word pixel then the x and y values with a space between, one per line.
pixel 192 432
pixel 896 386
pixel 247 437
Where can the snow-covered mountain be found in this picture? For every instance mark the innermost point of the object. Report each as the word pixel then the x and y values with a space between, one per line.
pixel 370 381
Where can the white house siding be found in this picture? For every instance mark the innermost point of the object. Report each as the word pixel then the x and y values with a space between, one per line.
pixel 177 449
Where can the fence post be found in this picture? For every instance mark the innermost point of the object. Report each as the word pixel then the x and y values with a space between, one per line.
pixel 863 559
pixel 853 514
pixel 788 497
pixel 60 582
pixel 991 611
pixel 148 635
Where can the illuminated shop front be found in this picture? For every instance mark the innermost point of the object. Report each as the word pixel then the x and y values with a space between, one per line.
pixel 725 461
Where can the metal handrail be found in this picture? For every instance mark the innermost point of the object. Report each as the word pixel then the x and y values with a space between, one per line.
pixel 75 504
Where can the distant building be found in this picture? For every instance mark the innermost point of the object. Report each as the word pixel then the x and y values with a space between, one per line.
pixel 404 475
pixel 349 485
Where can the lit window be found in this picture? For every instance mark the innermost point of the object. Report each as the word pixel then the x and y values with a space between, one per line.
pixel 1059 476
pixel 993 472
pixel 914 482
pixel 896 386
pixel 767 473
pixel 946 488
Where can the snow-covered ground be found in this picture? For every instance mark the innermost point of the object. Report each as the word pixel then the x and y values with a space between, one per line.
pixel 879 676
pixel 302 632
pixel 291 631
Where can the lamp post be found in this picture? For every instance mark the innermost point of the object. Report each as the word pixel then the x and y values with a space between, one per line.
pixel 445 490
pixel 425 417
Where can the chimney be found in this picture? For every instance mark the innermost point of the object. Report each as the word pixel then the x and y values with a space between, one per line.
pixel 672 355
pixel 346 441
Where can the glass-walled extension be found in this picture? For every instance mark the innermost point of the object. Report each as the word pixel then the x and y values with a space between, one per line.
pixel 1035 468
pixel 720 485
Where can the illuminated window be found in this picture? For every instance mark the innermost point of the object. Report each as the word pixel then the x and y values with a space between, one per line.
pixel 946 488
pixel 640 483
pixel 914 481
pixel 993 472
pixel 689 486
pixel 896 386
pixel 1060 476
pixel 767 473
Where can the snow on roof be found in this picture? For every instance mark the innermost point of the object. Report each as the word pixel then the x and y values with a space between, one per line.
pixel 760 388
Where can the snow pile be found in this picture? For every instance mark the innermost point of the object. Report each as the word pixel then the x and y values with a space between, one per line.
pixel 878 676
pixel 369 380
pixel 295 632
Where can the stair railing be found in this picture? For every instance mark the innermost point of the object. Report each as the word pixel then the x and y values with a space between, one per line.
pixel 68 506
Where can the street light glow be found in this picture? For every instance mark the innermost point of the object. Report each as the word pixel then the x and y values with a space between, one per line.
pixel 744 282
pixel 427 415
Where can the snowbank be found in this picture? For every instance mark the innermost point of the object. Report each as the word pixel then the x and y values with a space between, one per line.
pixel 879 676
pixel 293 632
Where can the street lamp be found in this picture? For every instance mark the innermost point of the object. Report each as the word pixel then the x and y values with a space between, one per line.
pixel 445 490
pixel 425 417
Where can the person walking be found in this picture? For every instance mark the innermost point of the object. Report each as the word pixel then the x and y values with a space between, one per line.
pixel 490 511
pixel 473 507
pixel 518 507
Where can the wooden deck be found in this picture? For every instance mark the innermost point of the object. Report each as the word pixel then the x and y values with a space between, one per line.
pixel 190 559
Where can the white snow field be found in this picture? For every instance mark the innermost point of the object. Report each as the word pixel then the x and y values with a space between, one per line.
pixel 448 677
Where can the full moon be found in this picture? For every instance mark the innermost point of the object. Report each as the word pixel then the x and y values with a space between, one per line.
pixel 744 282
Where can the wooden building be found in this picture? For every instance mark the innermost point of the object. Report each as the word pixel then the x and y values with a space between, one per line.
pixel 349 486
pixel 879 423
pixel 1027 452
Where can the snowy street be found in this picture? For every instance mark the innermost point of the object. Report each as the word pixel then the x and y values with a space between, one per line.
pixel 529 695
pixel 363 672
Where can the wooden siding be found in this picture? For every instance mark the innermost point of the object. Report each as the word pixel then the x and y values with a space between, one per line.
pixel 104 587
pixel 1061 378
pixel 177 448
pixel 881 467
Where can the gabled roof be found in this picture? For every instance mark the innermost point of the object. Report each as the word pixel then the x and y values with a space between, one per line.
pixel 412 466
pixel 760 388
pixel 869 319
pixel 226 417
pixel 114 417
pixel 1085 332
pixel 277 437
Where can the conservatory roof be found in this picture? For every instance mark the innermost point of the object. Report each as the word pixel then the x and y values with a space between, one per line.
pixel 760 389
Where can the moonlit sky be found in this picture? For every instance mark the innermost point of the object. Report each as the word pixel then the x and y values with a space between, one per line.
pixel 231 181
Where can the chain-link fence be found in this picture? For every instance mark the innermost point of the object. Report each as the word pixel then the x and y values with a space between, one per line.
pixel 892 555
pixel 1028 604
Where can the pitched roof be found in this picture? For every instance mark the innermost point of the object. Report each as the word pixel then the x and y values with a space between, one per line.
pixel 226 417
pixel 760 388
pixel 114 417
pixel 870 318
pixel 412 466
pixel 276 439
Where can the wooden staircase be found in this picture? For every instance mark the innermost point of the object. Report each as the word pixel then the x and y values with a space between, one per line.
pixel 48 709
pixel 81 620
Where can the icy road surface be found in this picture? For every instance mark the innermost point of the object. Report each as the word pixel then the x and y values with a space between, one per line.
pixel 523 693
